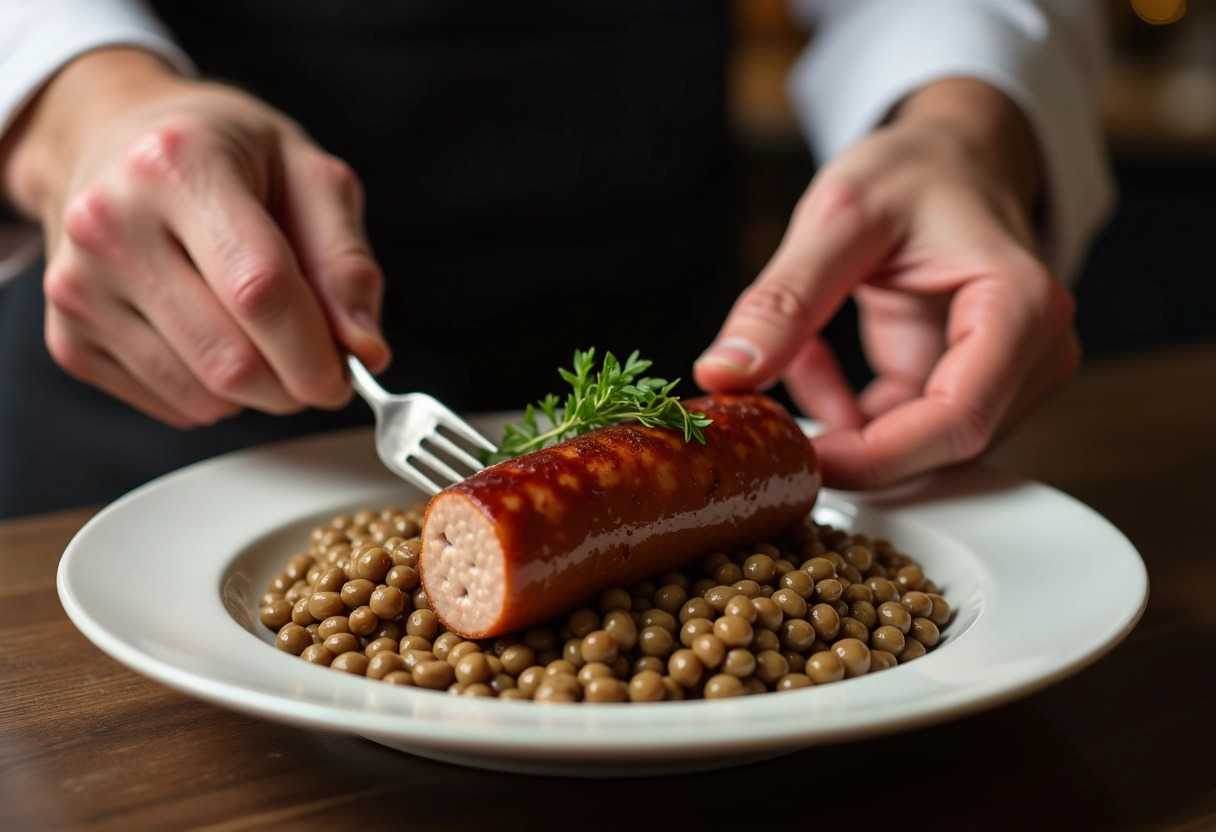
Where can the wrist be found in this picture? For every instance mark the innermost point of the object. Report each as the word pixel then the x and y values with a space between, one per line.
pixel 989 126
pixel 40 150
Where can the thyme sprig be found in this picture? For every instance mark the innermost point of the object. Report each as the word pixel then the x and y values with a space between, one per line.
pixel 616 393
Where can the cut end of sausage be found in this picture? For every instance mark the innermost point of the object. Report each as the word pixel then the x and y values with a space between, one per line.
pixel 463 565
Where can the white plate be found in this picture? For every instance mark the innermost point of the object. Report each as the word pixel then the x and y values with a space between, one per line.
pixel 193 551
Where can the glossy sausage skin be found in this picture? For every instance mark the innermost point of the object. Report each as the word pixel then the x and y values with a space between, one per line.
pixel 533 537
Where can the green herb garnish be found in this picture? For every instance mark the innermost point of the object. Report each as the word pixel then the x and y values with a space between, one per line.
pixel 615 395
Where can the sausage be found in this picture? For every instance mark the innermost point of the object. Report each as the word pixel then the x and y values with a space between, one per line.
pixel 532 537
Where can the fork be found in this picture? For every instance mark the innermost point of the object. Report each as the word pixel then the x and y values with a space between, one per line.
pixel 407 433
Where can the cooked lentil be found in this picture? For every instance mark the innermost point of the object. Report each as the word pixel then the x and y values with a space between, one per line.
pixel 735 624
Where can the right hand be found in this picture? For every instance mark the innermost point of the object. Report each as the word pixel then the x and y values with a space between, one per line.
pixel 203 255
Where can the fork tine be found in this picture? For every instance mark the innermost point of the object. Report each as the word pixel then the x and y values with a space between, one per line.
pixel 415 477
pixel 465 431
pixel 405 422
pixel 436 464
pixel 455 451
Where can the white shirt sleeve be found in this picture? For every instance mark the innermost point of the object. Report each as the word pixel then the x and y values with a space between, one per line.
pixel 37 38
pixel 1048 56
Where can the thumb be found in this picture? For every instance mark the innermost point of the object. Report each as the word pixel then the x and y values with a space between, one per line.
pixel 830 245
pixel 323 219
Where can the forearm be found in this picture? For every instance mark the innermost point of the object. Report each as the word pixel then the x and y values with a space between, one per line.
pixel 38 150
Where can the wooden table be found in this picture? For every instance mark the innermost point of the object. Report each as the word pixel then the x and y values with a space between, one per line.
pixel 1129 743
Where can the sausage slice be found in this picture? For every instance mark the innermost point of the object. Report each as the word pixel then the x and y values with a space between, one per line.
pixel 530 538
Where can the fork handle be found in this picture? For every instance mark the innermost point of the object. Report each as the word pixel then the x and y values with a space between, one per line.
pixel 365 383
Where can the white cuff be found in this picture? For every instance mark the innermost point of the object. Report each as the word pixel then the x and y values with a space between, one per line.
pixel 37 38
pixel 871 55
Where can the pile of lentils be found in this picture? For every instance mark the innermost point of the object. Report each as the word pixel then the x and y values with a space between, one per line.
pixel 819 607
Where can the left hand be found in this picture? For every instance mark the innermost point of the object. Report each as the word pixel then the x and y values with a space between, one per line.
pixel 927 222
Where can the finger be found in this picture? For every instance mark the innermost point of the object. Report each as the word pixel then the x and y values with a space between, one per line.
pixel 143 353
pixel 323 219
pixel 245 259
pixel 90 364
pixel 832 242
pixel 908 440
pixel 115 259
pixel 903 335
pixel 1054 370
pixel 818 386
pixel 886 393
pixel 81 313
pixel 995 340
pixel 187 315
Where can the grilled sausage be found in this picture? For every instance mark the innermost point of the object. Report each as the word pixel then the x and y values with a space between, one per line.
pixel 530 538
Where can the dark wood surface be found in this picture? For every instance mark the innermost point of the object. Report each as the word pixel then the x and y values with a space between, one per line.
pixel 1129 743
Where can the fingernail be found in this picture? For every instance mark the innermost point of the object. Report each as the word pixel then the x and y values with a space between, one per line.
pixel 733 353
pixel 367 321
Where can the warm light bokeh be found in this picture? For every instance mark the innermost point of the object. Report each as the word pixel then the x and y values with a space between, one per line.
pixel 1159 12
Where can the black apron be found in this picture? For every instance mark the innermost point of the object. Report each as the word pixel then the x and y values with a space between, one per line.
pixel 540 177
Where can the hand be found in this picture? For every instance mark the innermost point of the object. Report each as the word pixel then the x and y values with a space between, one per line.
pixel 203 255
pixel 926 222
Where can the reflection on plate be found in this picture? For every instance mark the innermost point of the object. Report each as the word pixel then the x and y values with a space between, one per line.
pixel 203 542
